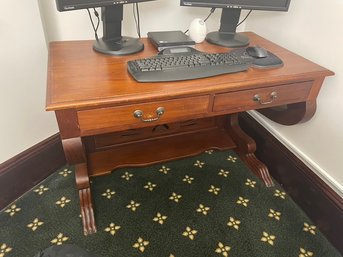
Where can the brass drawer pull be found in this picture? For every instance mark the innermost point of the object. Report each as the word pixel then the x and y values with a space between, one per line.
pixel 273 96
pixel 139 115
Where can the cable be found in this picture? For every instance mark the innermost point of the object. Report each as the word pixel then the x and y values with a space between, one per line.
pixel 139 23
pixel 244 18
pixel 95 28
pixel 208 16
pixel 136 17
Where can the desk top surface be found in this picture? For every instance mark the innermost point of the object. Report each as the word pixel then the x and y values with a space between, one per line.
pixel 79 77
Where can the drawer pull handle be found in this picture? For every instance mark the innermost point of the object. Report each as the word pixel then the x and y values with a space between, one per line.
pixel 273 96
pixel 139 115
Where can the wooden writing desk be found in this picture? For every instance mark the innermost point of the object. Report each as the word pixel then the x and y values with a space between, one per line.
pixel 94 99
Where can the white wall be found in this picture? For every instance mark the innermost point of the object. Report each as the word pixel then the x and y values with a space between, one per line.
pixel 23 79
pixel 312 29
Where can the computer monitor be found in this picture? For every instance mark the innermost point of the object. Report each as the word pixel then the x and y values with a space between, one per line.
pixel 231 10
pixel 112 42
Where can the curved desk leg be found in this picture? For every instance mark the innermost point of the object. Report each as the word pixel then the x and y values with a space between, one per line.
pixel 246 148
pixel 75 155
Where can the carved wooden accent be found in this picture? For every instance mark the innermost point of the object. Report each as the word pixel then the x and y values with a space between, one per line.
pixel 87 212
pixel 246 147
pixel 75 154
pixel 259 168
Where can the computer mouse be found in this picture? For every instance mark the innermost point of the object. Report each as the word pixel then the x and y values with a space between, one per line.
pixel 257 51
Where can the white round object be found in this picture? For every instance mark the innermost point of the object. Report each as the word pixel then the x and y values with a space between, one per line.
pixel 197 30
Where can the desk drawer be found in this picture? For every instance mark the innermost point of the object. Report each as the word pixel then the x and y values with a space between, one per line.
pixel 262 97
pixel 149 114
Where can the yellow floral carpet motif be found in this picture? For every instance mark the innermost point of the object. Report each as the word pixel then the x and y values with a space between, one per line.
pixel 209 205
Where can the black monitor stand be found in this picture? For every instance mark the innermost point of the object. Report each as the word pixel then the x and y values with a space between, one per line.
pixel 227 36
pixel 112 42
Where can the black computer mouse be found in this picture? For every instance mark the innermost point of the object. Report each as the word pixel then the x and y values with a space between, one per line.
pixel 257 51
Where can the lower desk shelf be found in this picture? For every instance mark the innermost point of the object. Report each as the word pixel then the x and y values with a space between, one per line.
pixel 150 151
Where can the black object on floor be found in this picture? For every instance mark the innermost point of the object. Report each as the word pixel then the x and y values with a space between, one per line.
pixel 64 251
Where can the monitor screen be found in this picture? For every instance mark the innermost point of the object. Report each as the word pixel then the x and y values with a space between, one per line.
pixel 231 9
pixel 112 42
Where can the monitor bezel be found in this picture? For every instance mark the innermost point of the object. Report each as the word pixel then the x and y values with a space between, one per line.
pixel 62 5
pixel 236 6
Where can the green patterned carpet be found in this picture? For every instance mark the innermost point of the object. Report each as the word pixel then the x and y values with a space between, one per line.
pixel 207 205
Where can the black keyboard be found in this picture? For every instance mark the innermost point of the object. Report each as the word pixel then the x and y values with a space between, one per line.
pixel 184 66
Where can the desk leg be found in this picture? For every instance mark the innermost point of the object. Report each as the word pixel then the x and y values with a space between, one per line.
pixel 75 155
pixel 246 148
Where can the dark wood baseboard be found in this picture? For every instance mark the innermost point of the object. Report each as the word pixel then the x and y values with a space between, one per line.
pixel 25 170
pixel 320 202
